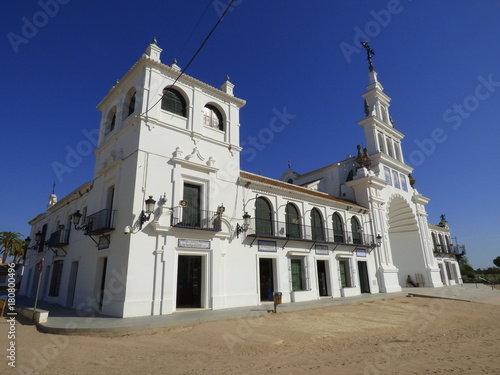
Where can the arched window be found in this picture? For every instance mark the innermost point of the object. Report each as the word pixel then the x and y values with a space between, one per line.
pixel 292 221
pixel 129 105
pixel 212 117
pixel 389 147
pixel 398 151
pixel 174 102
pixel 263 217
pixel 317 231
pixel 434 241
pixel 442 243
pixel 381 142
pixel 111 121
pixel 357 234
pixel 338 228
pixel 449 245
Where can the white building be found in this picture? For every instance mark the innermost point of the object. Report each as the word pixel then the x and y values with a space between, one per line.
pixel 219 237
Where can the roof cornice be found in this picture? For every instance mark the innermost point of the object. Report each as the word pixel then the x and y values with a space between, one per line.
pixel 266 181
pixel 145 61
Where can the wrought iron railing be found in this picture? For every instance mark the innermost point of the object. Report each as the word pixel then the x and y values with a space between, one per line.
pixel 459 250
pixel 100 222
pixel 296 231
pixel 188 217
pixel 59 238
pixel 450 249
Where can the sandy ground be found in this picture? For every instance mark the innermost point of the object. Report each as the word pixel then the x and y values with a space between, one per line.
pixel 391 336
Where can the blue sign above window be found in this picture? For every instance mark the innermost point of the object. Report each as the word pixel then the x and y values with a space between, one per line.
pixel 361 253
pixel 267 246
pixel 194 244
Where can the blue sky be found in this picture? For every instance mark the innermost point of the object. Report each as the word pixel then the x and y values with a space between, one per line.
pixel 438 61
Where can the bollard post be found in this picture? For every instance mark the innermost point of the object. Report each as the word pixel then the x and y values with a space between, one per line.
pixel 277 300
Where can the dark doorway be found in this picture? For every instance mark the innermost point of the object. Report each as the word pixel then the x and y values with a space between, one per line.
pixel 189 282
pixel 322 283
pixel 364 282
pixel 103 282
pixel 266 279
pixel 72 284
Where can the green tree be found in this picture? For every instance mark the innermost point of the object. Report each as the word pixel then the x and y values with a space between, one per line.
pixel 496 261
pixel 11 243
pixel 492 271
pixel 465 268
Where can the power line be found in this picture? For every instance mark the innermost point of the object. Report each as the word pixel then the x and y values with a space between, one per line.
pixel 196 54
pixel 195 27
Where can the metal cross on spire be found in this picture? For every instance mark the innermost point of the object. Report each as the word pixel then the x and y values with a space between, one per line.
pixel 369 54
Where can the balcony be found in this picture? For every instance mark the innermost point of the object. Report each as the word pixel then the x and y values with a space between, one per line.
pixel 192 218
pixel 458 250
pixel 100 222
pixel 297 232
pixel 59 238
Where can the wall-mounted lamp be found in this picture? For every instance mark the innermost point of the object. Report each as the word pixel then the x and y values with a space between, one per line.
pixel 27 241
pixel 76 217
pixel 378 243
pixel 221 209
pixel 146 214
pixel 244 227
pixel 183 203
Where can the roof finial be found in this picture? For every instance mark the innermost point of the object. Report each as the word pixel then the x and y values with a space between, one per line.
pixel 289 164
pixel 227 77
pixel 362 158
pixel 53 187
pixel 412 180
pixel 369 54
pixel 154 41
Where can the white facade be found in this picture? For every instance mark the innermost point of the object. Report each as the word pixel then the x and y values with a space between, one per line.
pixel 309 236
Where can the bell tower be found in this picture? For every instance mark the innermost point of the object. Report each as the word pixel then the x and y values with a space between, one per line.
pixel 380 133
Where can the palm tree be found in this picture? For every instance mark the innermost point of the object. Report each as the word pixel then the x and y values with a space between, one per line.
pixel 11 244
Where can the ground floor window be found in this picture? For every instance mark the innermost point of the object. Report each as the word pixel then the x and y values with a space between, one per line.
pixel 345 274
pixel 298 279
pixel 450 270
pixel 55 282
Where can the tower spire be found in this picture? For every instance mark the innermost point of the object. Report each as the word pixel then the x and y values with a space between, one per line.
pixel 380 134
pixel 369 54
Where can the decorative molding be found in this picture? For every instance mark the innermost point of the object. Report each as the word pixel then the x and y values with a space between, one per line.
pixel 186 163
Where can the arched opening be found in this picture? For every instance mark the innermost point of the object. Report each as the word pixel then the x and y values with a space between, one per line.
pixel 317 231
pixel 338 228
pixel 129 103
pixel 174 102
pixel 292 221
pixel 110 121
pixel 212 117
pixel 406 245
pixel 357 233
pixel 263 217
